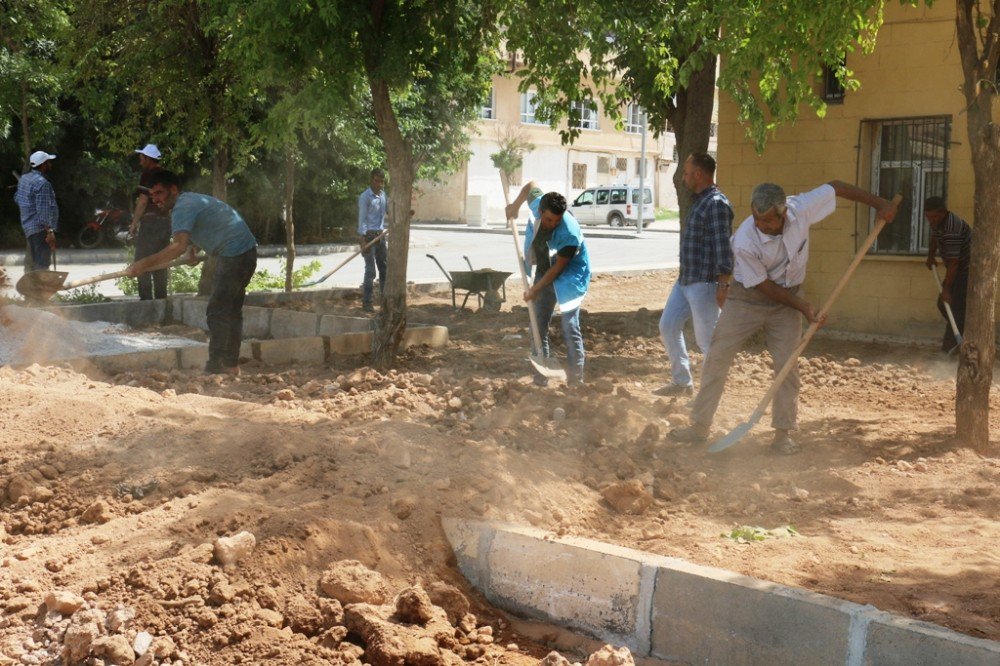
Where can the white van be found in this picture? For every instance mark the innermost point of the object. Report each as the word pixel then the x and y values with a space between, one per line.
pixel 614 205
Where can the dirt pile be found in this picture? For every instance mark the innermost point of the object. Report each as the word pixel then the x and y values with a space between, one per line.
pixel 118 489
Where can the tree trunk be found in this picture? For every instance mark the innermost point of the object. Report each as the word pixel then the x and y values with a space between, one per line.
pixel 289 218
pixel 220 167
pixel 25 124
pixel 978 351
pixel 692 120
pixel 390 324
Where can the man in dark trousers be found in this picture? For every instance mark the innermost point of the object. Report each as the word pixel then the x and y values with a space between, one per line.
pixel 39 210
pixel 951 237
pixel 150 226
pixel 204 221
pixel 373 206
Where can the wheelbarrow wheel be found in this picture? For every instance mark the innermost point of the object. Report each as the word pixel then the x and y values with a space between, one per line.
pixel 492 303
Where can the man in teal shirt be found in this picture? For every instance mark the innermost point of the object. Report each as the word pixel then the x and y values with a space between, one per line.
pixel 198 220
pixel 555 245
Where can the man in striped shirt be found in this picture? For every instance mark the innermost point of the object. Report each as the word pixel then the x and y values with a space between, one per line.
pixel 706 268
pixel 39 210
pixel 951 237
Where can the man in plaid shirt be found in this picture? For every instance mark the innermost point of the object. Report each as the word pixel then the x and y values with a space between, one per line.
pixel 39 211
pixel 706 268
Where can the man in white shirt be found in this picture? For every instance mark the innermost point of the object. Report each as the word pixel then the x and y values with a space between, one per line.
pixel 770 249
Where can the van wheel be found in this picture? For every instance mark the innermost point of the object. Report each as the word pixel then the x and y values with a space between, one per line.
pixel 615 220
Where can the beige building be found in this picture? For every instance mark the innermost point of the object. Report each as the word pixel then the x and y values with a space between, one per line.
pixel 601 155
pixel 903 131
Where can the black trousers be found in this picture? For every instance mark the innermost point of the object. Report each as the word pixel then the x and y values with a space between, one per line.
pixel 959 291
pixel 225 309
pixel 154 235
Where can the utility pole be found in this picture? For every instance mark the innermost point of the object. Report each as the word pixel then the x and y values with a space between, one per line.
pixel 642 176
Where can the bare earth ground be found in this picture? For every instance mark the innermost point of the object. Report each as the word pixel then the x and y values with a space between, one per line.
pixel 324 464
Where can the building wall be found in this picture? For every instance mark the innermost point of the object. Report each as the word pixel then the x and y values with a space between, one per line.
pixel 914 71
pixel 550 163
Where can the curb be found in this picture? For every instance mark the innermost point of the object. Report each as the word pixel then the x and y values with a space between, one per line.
pixel 667 608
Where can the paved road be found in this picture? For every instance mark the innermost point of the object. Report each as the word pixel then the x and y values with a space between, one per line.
pixel 610 251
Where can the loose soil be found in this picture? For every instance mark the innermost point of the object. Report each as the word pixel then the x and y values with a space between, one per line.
pixel 118 487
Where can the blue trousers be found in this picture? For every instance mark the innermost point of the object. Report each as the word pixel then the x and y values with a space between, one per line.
pixel 374 258
pixel 545 305
pixel 692 301
pixel 41 253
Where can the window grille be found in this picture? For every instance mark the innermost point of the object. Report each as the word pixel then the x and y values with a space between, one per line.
pixel 907 156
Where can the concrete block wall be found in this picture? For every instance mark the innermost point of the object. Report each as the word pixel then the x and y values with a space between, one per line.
pixel 674 610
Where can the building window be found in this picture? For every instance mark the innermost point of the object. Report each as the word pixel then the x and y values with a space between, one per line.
pixel 621 164
pixel 579 176
pixel 603 164
pixel 587 112
pixel 833 89
pixel 713 129
pixel 633 119
pixel 529 102
pixel 489 108
pixel 907 156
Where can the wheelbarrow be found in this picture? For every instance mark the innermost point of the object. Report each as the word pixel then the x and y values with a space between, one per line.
pixel 488 285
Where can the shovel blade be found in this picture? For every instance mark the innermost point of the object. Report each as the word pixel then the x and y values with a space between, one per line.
pixel 548 367
pixel 41 285
pixel 735 435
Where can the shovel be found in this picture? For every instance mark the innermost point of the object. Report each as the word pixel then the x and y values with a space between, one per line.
pixel 951 317
pixel 737 433
pixel 367 245
pixel 546 366
pixel 43 285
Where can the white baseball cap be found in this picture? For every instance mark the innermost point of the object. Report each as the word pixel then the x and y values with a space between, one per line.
pixel 150 151
pixel 40 157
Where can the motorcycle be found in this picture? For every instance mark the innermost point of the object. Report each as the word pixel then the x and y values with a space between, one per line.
pixel 108 223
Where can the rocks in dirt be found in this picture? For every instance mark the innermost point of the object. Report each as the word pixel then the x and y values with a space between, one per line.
pixel 554 659
pixel 142 643
pixel 414 606
pixel 395 644
pixel 303 617
pixel 98 512
pixel 629 497
pixel 558 414
pixel 113 649
pixel 231 550
pixel 352 582
pixel 609 656
pixel 63 602
pixel 402 507
pixel 84 629
pixel 25 486
pixel 450 598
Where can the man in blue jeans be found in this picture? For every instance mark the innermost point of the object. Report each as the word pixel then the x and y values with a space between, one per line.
pixel 373 205
pixel 39 210
pixel 706 269
pixel 204 221
pixel 562 274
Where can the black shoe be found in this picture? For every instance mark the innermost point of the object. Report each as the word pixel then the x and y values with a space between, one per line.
pixel 674 390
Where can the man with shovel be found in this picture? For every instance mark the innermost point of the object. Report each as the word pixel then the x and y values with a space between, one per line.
pixel 204 221
pixel 39 210
pixel 555 245
pixel 951 237
pixel 771 249
pixel 373 207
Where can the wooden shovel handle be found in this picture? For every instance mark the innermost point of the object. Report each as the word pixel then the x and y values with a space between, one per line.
pixel 814 326
pixel 536 335
pixel 123 273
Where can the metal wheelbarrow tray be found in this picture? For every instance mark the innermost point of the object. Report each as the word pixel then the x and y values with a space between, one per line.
pixel 488 285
